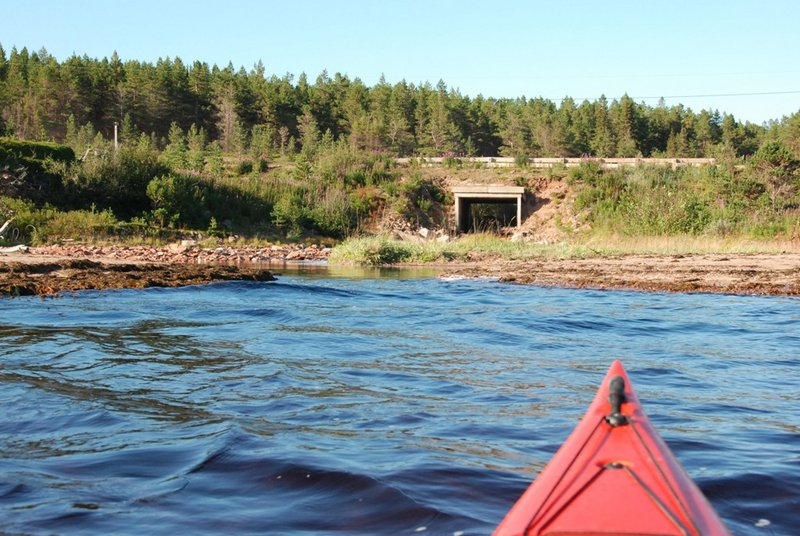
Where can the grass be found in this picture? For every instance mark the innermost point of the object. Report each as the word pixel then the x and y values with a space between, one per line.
pixel 685 245
pixel 382 250
pixel 376 250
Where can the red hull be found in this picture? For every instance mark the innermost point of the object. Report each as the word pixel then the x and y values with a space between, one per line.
pixel 613 476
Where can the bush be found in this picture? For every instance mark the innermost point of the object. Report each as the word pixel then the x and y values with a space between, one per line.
pixel 339 163
pixel 777 167
pixel 333 214
pixel 696 216
pixel 34 151
pixel 116 180
pixel 586 172
pixel 46 224
pixel 32 169
pixel 452 162
pixel 366 200
pixel 373 251
pixel 289 212
pixel 245 167
pixel 177 198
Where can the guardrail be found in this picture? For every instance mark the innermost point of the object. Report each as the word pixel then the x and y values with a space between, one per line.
pixel 610 163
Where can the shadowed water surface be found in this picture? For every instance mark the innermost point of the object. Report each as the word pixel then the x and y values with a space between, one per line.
pixel 325 405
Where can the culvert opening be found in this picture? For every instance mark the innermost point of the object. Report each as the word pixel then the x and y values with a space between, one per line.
pixel 489 216
pixel 487 208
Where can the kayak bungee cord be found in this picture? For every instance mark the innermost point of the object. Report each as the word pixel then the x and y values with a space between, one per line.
pixel 583 491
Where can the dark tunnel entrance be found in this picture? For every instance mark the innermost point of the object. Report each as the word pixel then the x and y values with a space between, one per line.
pixel 488 215
pixel 487 208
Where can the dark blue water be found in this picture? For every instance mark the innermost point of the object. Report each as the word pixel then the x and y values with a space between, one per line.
pixel 321 405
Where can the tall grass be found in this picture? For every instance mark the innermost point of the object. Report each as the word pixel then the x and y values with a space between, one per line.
pixel 613 244
pixel 383 250
pixel 711 201
pixel 48 224
pixel 376 250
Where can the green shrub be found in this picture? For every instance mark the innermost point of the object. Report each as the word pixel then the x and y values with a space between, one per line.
pixel 452 162
pixel 46 224
pixel 373 251
pixel 116 180
pixel 696 216
pixel 177 198
pixel 79 225
pixel 340 163
pixel 722 228
pixel 245 167
pixel 366 200
pixel 290 212
pixel 586 172
pixel 32 169
pixel 333 214
pixel 34 151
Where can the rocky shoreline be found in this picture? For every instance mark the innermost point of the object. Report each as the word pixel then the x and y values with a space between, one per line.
pixel 742 274
pixel 48 276
pixel 190 252
pixel 55 269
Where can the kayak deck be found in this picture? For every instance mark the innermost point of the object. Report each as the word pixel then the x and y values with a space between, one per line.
pixel 613 475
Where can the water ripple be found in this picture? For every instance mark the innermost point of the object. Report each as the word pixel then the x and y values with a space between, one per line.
pixel 373 406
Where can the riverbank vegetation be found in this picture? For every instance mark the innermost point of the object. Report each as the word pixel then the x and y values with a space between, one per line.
pixel 108 149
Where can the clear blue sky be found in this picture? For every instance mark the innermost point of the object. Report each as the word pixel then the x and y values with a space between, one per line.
pixel 583 49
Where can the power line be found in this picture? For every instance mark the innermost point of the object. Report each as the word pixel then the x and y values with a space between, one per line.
pixel 721 95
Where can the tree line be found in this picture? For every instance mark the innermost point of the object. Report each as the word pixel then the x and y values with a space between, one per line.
pixel 42 98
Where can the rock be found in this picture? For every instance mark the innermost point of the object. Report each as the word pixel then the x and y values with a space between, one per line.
pixel 424 232
pixel 519 236
pixel 176 247
pixel 22 248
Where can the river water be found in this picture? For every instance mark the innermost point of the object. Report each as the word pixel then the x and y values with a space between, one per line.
pixel 330 404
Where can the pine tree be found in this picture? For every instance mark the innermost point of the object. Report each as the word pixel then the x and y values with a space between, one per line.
pixel 228 120
pixel 214 157
pixel 3 64
pixel 603 143
pixel 196 141
pixel 262 141
pixel 626 124
pixel 175 154
pixel 128 130
pixel 71 133
pixel 309 132
pixel 516 134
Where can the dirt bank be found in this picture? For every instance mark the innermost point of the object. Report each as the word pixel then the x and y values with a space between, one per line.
pixel 758 274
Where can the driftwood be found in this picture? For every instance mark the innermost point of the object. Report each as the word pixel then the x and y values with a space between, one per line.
pixel 5 227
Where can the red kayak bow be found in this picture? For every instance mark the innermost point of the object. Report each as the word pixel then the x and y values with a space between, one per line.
pixel 613 475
